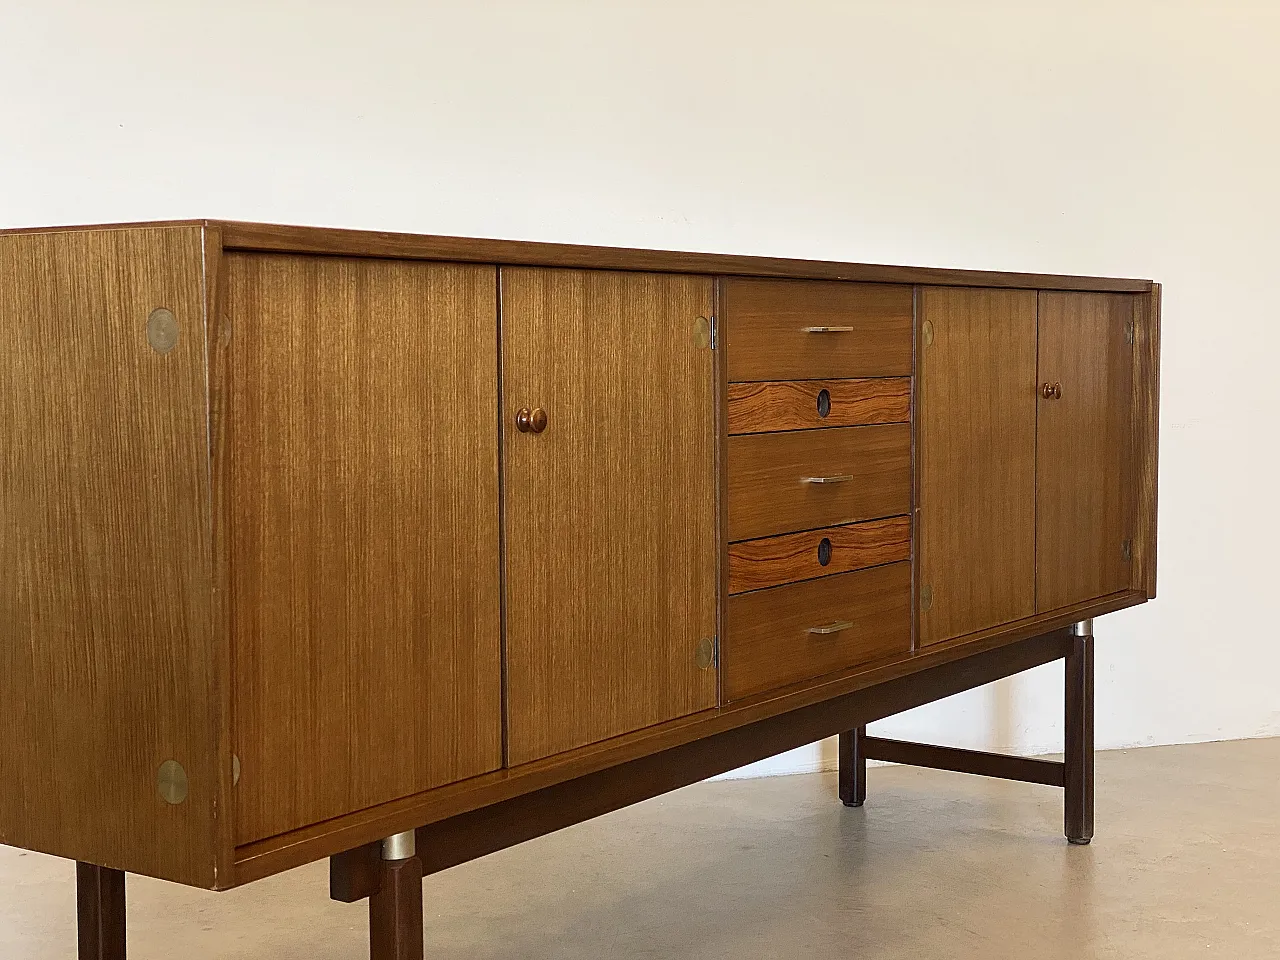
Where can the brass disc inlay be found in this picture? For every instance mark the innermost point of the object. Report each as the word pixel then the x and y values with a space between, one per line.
pixel 162 330
pixel 171 781
pixel 706 653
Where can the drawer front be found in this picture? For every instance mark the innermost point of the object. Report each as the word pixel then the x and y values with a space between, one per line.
pixel 773 561
pixel 814 329
pixel 807 404
pixel 775 479
pixel 805 630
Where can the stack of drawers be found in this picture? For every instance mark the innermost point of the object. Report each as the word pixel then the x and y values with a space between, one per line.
pixel 819 479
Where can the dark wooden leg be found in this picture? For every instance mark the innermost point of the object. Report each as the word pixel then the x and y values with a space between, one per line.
pixel 100 912
pixel 1078 753
pixel 853 768
pixel 395 908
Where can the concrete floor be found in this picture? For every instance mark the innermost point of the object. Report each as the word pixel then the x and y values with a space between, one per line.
pixel 1186 864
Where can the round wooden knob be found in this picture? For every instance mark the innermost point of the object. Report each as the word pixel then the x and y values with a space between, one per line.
pixel 531 421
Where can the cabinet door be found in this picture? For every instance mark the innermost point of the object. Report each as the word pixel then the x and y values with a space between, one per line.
pixel 364 541
pixel 611 510
pixel 1084 454
pixel 977 458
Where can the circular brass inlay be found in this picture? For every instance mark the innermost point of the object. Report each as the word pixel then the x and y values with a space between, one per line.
pixel 926 597
pixel 171 780
pixel 706 654
pixel 235 770
pixel 702 333
pixel 162 330
pixel 928 334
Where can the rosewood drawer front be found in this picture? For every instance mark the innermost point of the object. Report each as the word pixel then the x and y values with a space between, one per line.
pixel 806 404
pixel 806 329
pixel 784 482
pixel 773 561
pixel 804 630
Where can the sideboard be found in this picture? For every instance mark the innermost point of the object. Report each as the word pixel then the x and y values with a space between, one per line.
pixel 399 550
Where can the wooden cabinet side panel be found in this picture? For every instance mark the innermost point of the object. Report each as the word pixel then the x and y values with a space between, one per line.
pixel 106 663
pixel 364 533
pixel 976 431
pixel 1146 430
pixel 1085 455
pixel 611 513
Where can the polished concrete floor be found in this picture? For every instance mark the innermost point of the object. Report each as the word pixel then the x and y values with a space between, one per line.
pixel 1186 864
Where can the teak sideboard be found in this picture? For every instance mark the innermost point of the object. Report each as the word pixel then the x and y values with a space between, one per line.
pixel 400 550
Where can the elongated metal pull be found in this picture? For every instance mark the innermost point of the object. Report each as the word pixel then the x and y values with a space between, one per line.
pixel 837 478
pixel 836 627
pixel 827 329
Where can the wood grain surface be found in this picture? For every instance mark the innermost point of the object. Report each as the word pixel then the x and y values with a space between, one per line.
pixel 446 843
pixel 794 404
pixel 977 457
pixel 1146 437
pixel 218 349
pixel 1085 458
pixel 279 238
pixel 611 512
pixel 868 683
pixel 108 653
pixel 767 642
pixel 768 494
pixel 256 236
pixel 773 561
pixel 364 536
pixel 764 323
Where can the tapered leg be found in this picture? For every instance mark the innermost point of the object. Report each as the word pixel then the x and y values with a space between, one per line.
pixel 100 912
pixel 853 768
pixel 1078 753
pixel 395 910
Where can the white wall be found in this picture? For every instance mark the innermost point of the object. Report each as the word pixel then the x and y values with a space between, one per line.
pixel 1131 137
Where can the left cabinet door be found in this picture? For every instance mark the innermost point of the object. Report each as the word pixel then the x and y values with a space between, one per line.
pixel 609 452
pixel 362 463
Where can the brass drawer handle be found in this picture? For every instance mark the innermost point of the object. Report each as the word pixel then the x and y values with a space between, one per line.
pixel 836 627
pixel 827 329
pixel 836 478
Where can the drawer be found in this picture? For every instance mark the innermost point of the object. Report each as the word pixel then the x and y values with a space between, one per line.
pixel 806 404
pixel 784 482
pixel 804 630
pixel 773 561
pixel 815 329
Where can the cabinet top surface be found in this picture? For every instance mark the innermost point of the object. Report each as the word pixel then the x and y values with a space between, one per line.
pixel 369 243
